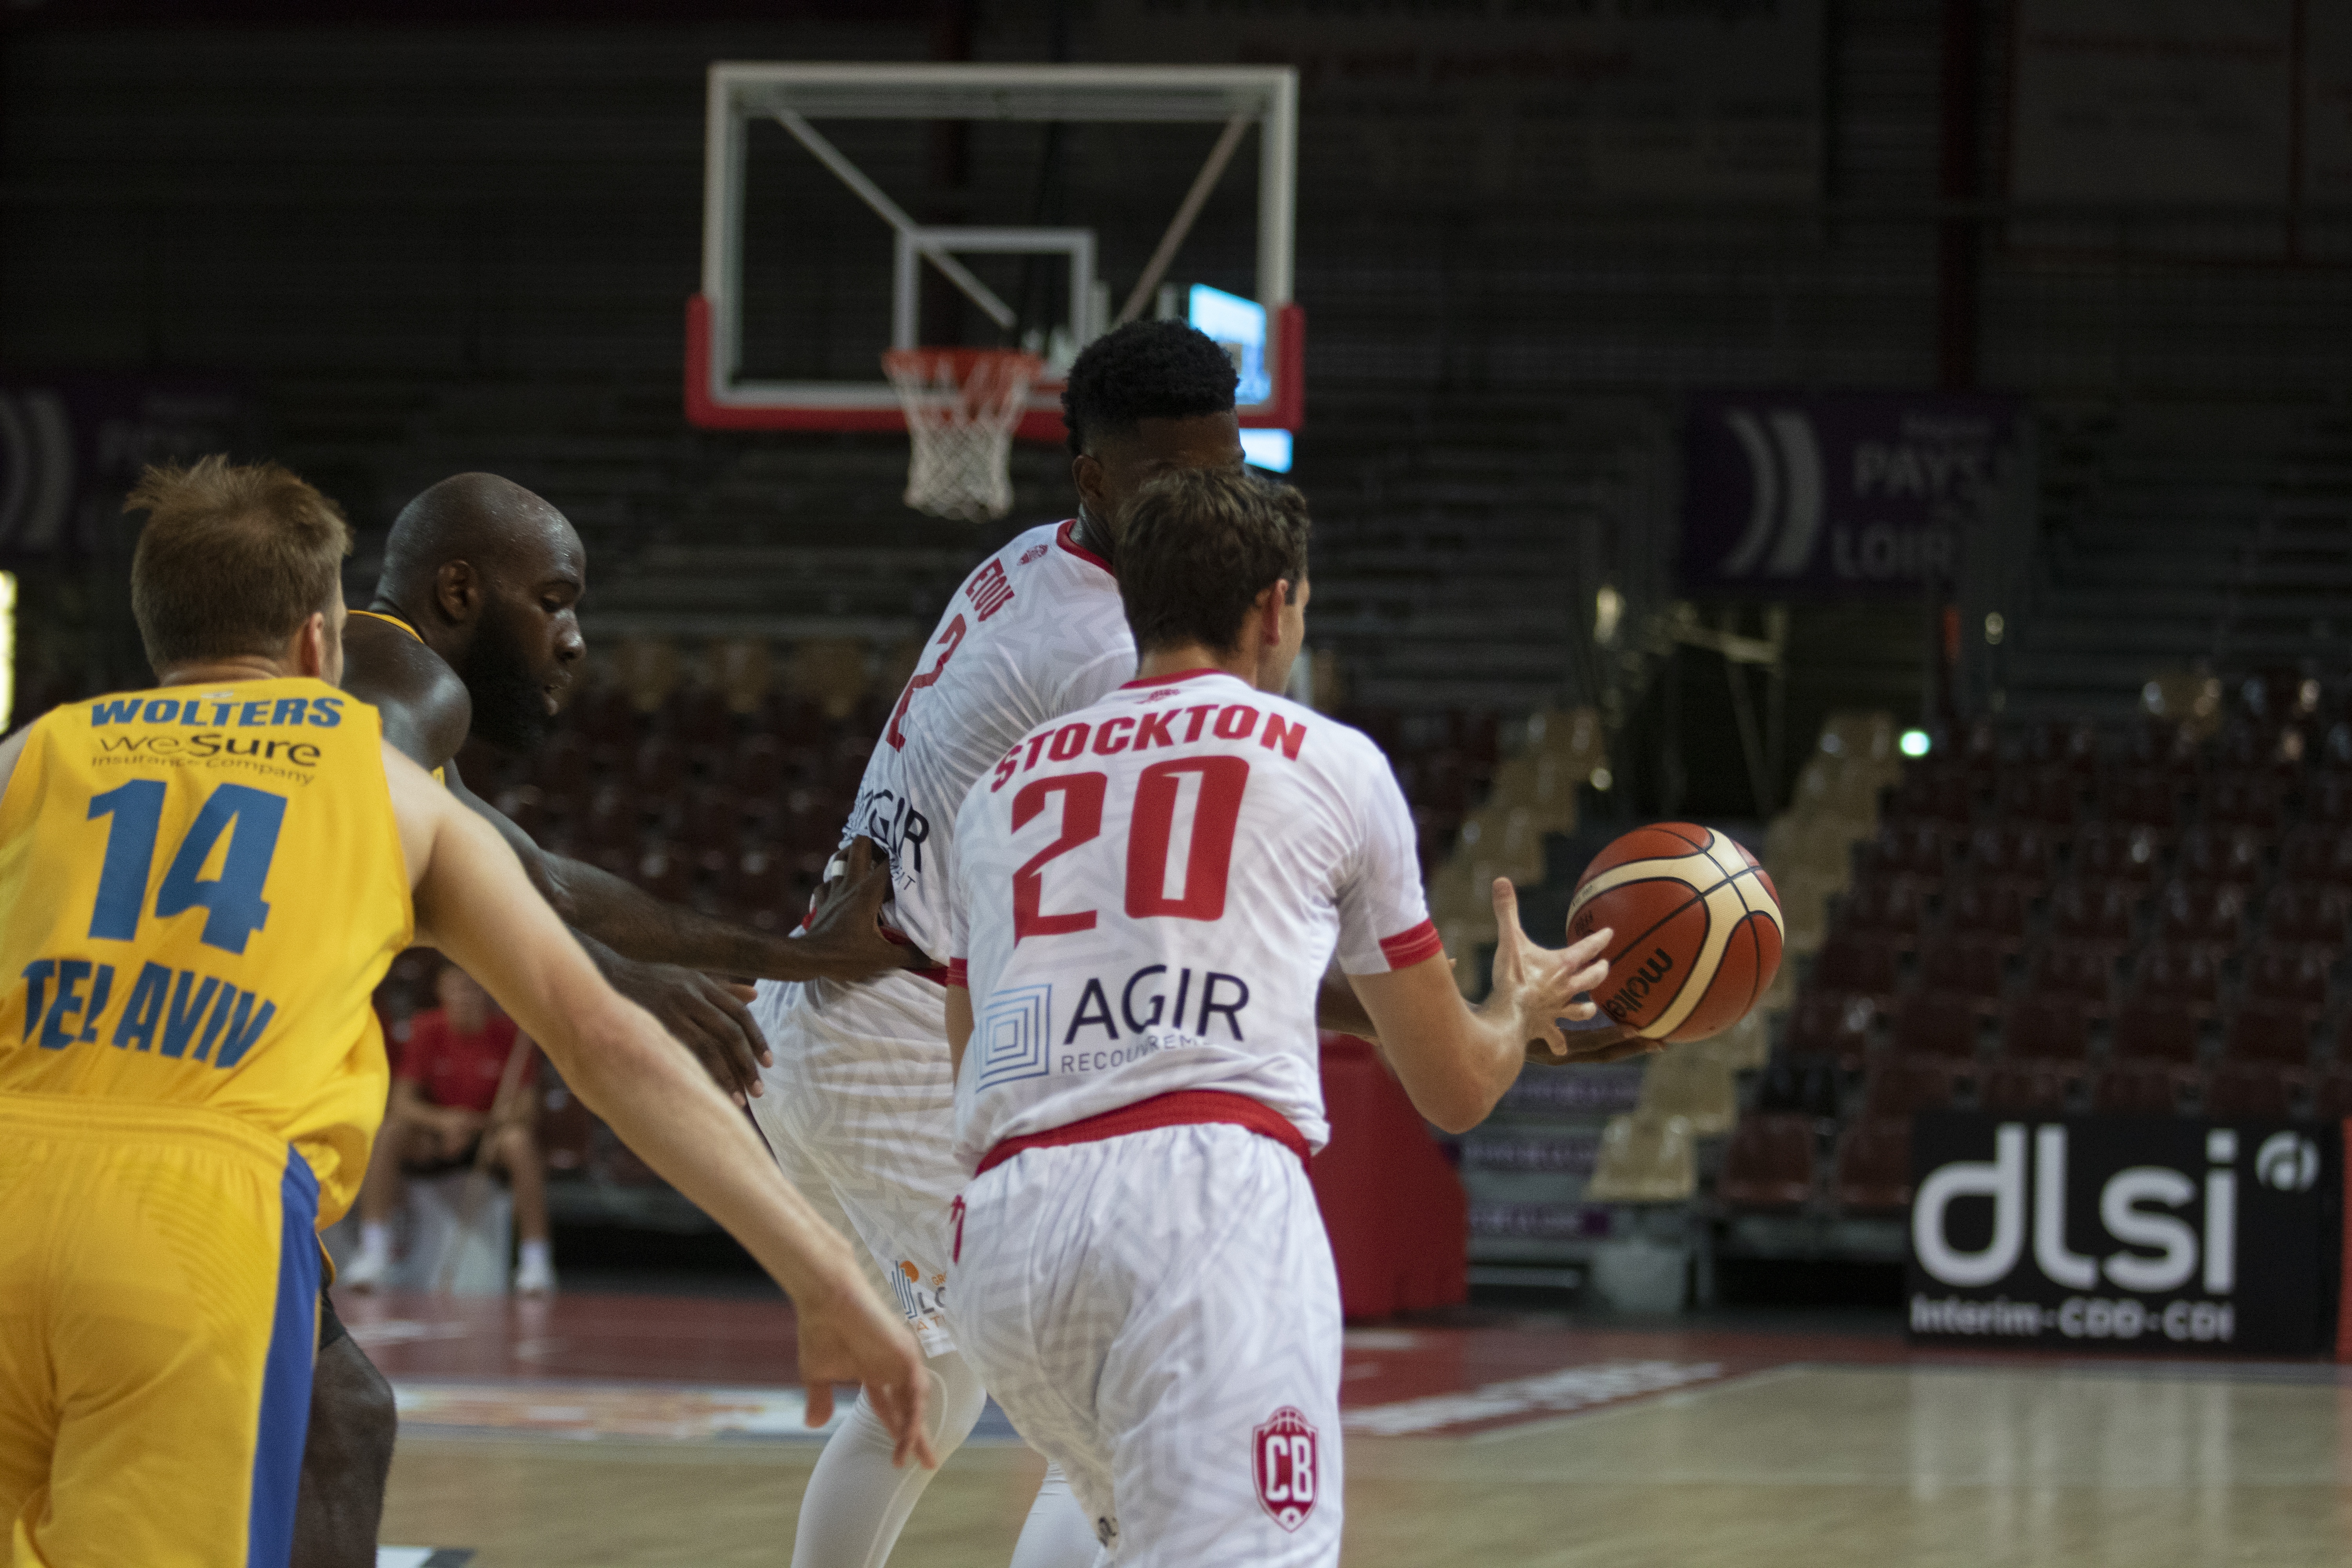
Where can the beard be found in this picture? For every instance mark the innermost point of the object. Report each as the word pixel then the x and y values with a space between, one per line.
pixel 510 707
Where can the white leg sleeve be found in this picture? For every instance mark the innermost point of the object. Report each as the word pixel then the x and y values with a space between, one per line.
pixel 1058 1534
pixel 857 1500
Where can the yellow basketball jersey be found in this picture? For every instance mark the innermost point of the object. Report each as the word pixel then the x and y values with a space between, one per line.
pixel 200 889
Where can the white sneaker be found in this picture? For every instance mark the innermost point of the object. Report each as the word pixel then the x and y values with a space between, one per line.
pixel 366 1269
pixel 534 1277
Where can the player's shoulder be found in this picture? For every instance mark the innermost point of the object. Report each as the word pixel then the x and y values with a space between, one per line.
pixel 424 704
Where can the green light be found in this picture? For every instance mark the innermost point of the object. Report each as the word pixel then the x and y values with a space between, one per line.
pixel 1915 743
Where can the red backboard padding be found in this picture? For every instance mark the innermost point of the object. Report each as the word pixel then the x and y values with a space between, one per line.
pixel 1398 1221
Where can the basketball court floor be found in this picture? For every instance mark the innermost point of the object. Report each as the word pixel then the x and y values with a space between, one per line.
pixel 622 1429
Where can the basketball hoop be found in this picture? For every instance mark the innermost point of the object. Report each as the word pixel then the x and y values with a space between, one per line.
pixel 962 406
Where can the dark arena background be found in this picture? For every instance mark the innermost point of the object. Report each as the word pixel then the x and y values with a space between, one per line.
pixel 1912 437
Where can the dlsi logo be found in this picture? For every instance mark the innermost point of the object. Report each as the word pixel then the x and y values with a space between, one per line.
pixel 2287 1163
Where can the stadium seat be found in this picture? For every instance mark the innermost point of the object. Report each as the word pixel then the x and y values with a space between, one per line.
pixel 659 766
pixel 2140 798
pixel 1979 752
pixel 2138 1089
pixel 699 719
pixel 1963 971
pixel 1992 913
pixel 2027 1088
pixel 2188 979
pixel 2084 977
pixel 1912 852
pixel 709 818
pixel 1800 1085
pixel 1933 796
pixel 666 872
pixel 2328 802
pixel 2250 1090
pixel 1873 1173
pixel 1857 966
pixel 2152 1031
pixel 2331 1093
pixel 1686 1081
pixel 1887 909
pixel 1744 1046
pixel 2318 856
pixel 845 766
pixel 2308 916
pixel 2268 1032
pixel 611 821
pixel 2201 915
pixel 2017 855
pixel 2047 1029
pixel 2047 798
pixel 2094 915
pixel 1925 1027
pixel 2164 750
pixel 2288 976
pixel 1767 1164
pixel 1835 1026
pixel 2249 800
pixel 601 717
pixel 1644 1158
pixel 1898 1086
pixel 2064 746
pixel 2119 853
pixel 2216 855
pixel 756 766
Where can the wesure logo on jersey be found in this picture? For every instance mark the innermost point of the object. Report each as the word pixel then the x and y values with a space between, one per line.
pixel 1285 1458
pixel 1851 493
pixel 2123 1232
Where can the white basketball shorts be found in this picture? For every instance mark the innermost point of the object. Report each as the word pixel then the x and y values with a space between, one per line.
pixel 1159 1314
pixel 860 1109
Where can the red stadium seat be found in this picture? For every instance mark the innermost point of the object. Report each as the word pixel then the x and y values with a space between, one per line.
pixel 2085 977
pixel 1933 796
pixel 2119 853
pixel 611 820
pixel 1925 1027
pixel 709 818
pixel 1873 1174
pixel 846 767
pixel 698 718
pixel 2331 1093
pixel 2308 916
pixel 2138 1089
pixel 2250 800
pixel 2330 800
pixel 2049 799
pixel 2216 855
pixel 1992 913
pixel 1831 1025
pixel 2152 1031
pixel 2185 978
pixel 659 767
pixel 1856 966
pixel 1898 1086
pixel 2149 799
pixel 2189 914
pixel 1767 1164
pixel 2254 1091
pixel 1800 1085
pixel 2288 977
pixel 1963 973
pixel 2094 915
pixel 2067 746
pixel 2318 855
pixel 1886 909
pixel 2163 749
pixel 756 766
pixel 1912 852
pixel 2027 1088
pixel 2267 1032
pixel 1979 752
pixel 2018 855
pixel 2048 1028
pixel 666 872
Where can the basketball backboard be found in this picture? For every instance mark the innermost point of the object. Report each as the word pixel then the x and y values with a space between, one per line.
pixel 1265 329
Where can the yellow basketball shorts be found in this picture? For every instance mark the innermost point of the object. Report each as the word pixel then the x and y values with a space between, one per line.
pixel 159 1294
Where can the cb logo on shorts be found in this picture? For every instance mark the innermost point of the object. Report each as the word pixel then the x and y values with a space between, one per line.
pixel 1283 1453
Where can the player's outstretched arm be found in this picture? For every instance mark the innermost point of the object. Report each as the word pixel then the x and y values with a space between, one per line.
pixel 474 902
pixel 1456 1060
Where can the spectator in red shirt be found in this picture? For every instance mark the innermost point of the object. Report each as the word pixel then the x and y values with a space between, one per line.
pixel 444 1114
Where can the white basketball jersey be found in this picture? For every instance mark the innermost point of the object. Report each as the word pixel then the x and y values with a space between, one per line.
pixel 1148 893
pixel 1035 631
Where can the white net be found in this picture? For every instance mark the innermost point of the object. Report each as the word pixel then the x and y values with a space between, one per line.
pixel 962 406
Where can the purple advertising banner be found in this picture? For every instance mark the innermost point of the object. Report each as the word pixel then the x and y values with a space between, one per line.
pixel 1840 493
pixel 71 446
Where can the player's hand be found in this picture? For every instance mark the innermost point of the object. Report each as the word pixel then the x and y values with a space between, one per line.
pixel 843 939
pixel 847 1336
pixel 1608 1042
pixel 1539 986
pixel 708 1016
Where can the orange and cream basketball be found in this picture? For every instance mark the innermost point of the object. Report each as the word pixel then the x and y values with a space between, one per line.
pixel 1697 927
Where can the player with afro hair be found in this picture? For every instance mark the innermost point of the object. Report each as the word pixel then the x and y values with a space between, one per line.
pixel 1142 399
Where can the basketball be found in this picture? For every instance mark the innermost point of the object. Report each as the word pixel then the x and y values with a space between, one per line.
pixel 1698 930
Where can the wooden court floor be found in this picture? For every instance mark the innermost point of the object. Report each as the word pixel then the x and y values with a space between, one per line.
pixel 2135 1465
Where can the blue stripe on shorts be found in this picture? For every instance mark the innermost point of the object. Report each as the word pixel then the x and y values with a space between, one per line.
pixel 286 1376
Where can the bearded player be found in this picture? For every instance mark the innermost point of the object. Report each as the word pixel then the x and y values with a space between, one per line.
pixel 473 631
pixel 191 1071
pixel 861 1100
pixel 1146 893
